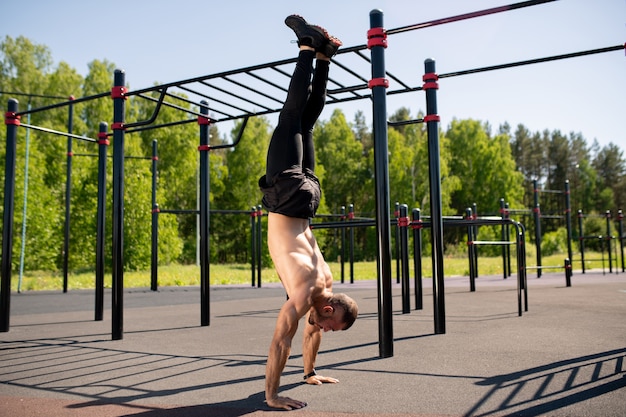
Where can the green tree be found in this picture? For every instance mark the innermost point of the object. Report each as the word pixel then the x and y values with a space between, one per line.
pixel 340 159
pixel 245 163
pixel 485 166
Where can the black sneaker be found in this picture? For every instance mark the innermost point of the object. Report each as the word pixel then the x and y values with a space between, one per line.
pixel 330 47
pixel 308 35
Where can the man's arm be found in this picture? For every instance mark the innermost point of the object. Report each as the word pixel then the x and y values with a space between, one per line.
pixel 286 326
pixel 310 346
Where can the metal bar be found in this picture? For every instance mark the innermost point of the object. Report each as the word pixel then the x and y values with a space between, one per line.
pixel 117 298
pixel 103 144
pixel 417 257
pixel 465 16
pixel 8 214
pixel 533 61
pixel 404 256
pixel 65 103
pixel 381 174
pixel 205 308
pixel 247 87
pixel 154 259
pixel 155 113
pixel 68 197
pixel 56 132
pixel 436 230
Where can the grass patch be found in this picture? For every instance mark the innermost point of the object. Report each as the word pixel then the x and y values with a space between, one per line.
pixel 229 274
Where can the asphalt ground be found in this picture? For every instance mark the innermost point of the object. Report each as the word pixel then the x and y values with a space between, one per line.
pixel 565 356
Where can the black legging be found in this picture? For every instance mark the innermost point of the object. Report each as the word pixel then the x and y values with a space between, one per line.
pixel 292 141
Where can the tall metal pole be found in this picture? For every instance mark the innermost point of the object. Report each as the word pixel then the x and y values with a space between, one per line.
pixel 403 227
pixel 68 194
pixel 25 202
pixel 103 145
pixel 12 121
pixel 568 220
pixel 154 262
pixel 204 149
pixel 118 93
pixel 436 214
pixel 377 42
pixel 537 217
pixel 417 257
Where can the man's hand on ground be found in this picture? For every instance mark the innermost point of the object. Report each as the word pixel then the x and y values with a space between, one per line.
pixel 319 380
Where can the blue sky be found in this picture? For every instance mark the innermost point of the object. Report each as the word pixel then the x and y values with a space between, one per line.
pixel 165 41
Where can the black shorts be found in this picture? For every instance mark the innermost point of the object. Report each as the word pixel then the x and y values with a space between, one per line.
pixel 294 193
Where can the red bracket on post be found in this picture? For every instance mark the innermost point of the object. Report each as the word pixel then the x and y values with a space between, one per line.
pixel 431 118
pixel 204 147
pixel 378 82
pixel 11 118
pixel 376 37
pixel 203 120
pixel 119 92
pixel 403 222
pixel 118 126
pixel 430 81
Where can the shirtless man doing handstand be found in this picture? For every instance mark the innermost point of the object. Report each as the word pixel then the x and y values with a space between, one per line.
pixel 292 195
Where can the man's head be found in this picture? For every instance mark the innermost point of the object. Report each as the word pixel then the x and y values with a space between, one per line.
pixel 337 312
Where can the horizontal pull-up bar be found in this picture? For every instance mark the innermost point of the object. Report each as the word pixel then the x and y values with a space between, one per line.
pixel 465 16
pixel 534 61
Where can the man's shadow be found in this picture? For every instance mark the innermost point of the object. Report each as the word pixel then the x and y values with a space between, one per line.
pixel 234 408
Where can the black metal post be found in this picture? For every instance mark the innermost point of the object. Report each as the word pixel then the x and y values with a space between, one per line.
pixel 537 217
pixel 259 243
pixel 568 272
pixel 118 93
pixel 253 245
pixel 416 224
pixel 377 42
pixel 12 121
pixel 581 239
pixel 475 227
pixel 471 249
pixel 620 216
pixel 568 221
pixel 403 227
pixel 608 239
pixel 508 237
pixel 103 145
pixel 396 245
pixel 154 272
pixel 204 149
pixel 436 229
pixel 68 194
pixel 504 236
pixel 342 253
pixel 351 217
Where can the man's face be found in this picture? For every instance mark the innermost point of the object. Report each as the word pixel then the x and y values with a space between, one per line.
pixel 327 318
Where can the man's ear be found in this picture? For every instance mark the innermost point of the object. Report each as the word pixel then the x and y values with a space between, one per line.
pixel 328 309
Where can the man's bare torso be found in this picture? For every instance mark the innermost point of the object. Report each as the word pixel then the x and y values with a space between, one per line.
pixel 297 257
